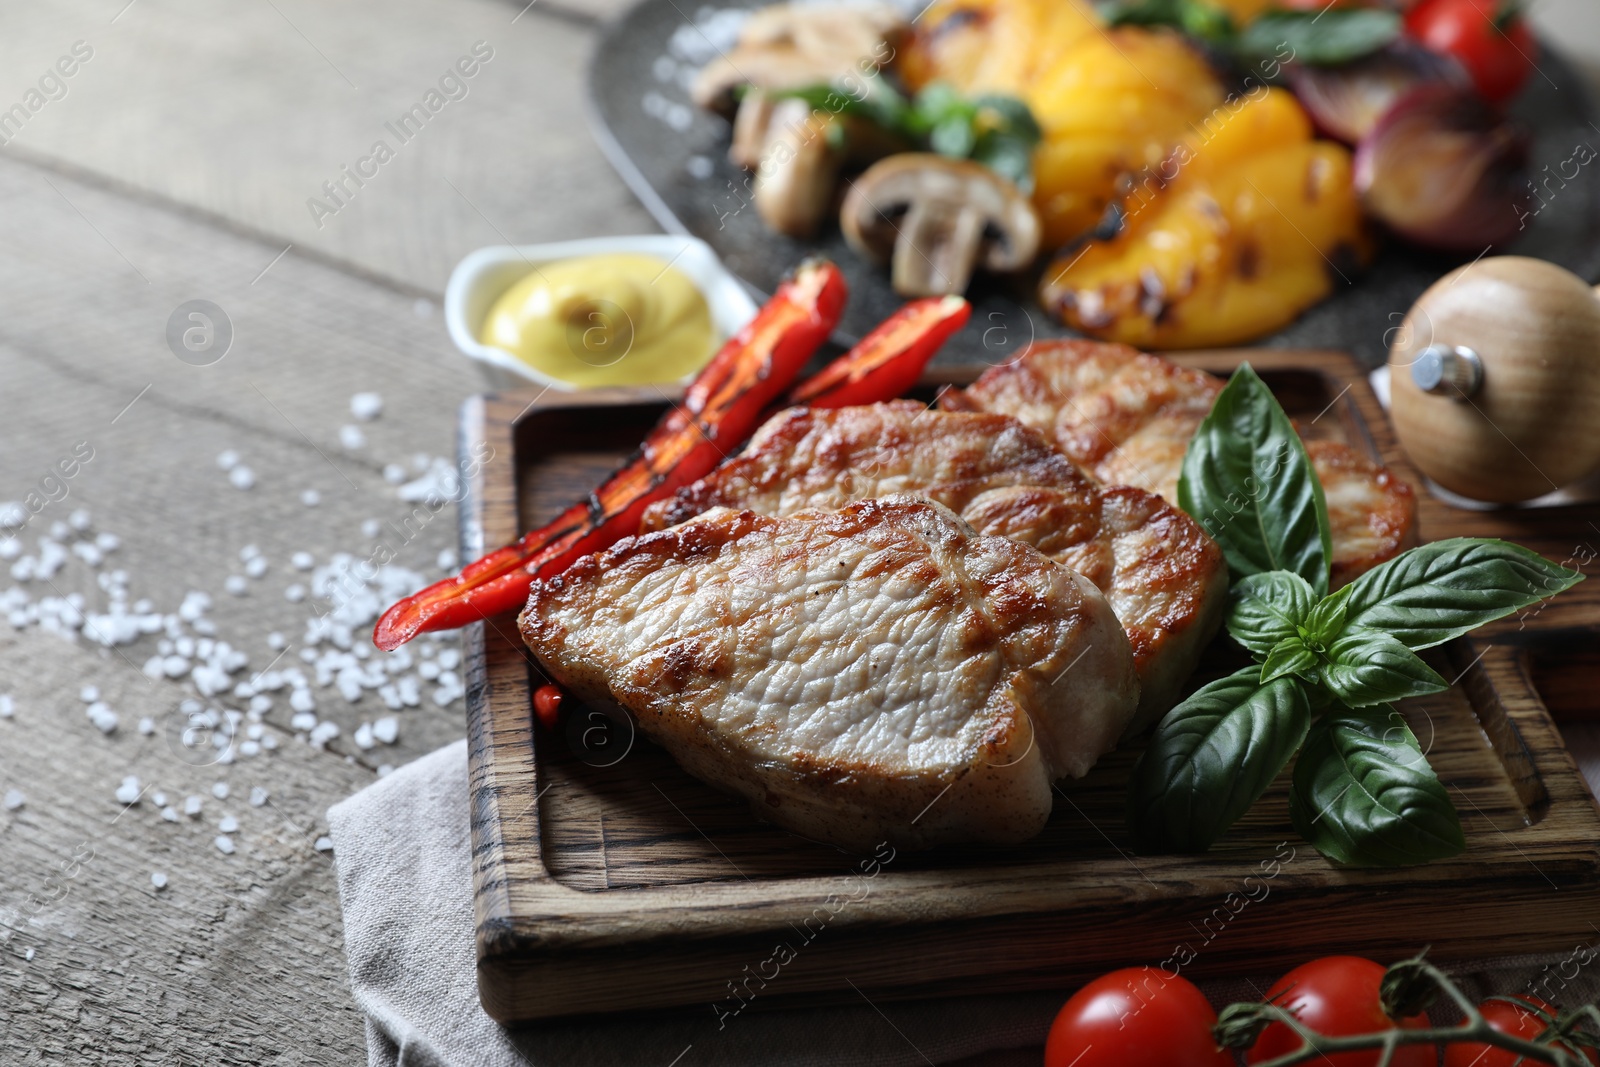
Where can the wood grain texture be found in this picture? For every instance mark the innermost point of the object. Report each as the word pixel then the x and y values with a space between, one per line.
pixel 608 879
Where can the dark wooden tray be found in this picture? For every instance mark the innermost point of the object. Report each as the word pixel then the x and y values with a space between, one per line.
pixel 607 879
pixel 634 99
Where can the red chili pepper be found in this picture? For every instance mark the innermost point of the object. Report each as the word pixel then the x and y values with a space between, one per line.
pixel 547 705
pixel 887 361
pixel 722 407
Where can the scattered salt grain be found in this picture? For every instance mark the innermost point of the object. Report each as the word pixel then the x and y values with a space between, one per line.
pixel 277 642
pixel 363 736
pixel 248 553
pixel 228 459
pixel 30 955
pixel 236 584
pixel 228 824
pixel 324 844
pixel 386 729
pixel 385 769
pixel 393 473
pixel 158 799
pixel 104 719
pixel 13 800
pixel 310 498
pixel 303 561
pixel 107 542
pixel 8 706
pixel 13 514
pixel 224 844
pixel 242 477
pixel 191 806
pixel 371 528
pixel 128 792
pixel 447 559
pixel 303 721
pixel 89 694
pixel 258 796
pixel 323 733
pixel 295 593
pixel 302 700
pixel 366 406
pixel 256 567
pixel 158 880
pixel 351 437
pixel 220 790
pixel 147 726
pixel 169 813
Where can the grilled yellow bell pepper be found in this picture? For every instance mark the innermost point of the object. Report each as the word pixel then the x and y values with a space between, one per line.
pixel 1247 224
pixel 1111 103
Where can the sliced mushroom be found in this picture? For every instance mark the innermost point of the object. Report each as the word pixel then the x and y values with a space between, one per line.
pixel 798 168
pixel 789 46
pixel 936 219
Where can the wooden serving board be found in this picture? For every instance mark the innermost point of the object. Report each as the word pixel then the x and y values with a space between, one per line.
pixel 607 879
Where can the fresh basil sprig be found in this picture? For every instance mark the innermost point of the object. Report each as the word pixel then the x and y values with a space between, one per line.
pixel 1326 37
pixel 1363 793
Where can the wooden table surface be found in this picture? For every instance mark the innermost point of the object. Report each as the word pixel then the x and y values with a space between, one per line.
pixel 176 164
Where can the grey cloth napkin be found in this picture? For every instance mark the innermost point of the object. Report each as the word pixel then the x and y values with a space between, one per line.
pixel 402 849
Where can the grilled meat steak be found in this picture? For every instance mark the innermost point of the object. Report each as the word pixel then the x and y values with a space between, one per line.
pixel 880 672
pixel 1126 417
pixel 1165 578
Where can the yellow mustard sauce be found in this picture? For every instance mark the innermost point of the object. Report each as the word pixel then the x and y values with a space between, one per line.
pixel 604 320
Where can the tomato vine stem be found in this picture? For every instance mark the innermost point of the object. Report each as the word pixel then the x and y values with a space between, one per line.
pixel 1240 1025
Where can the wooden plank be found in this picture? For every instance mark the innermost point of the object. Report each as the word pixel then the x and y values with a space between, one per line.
pixel 612 869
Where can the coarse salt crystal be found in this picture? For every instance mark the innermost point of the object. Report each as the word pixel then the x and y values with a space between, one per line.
pixel 304 721
pixel 236 584
pixel 13 799
pixel 191 806
pixel 147 726
pixel 447 559
pixel 393 473
pixel 158 880
pixel 303 561
pixel 310 498
pixel 227 459
pixel 79 520
pixel 323 733
pixel 385 769
pixel 351 437
pixel 8 706
pixel 366 406
pixel 302 700
pixel 277 642
pixel 220 790
pixel 363 736
pixel 128 792
pixel 158 799
pixel 258 796
pixel 295 593
pixel 242 477
pixel 324 844
pixel 248 553
pixel 386 729
pixel 89 694
pixel 224 844
pixel 256 567
pixel 228 824
pixel 169 813
pixel 371 527
pixel 105 721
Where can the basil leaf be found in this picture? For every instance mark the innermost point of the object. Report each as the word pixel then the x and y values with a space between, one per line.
pixel 1325 622
pixel 1016 119
pixel 1211 757
pixel 1289 656
pixel 1009 156
pixel 1431 594
pixel 1365 796
pixel 953 137
pixel 1366 667
pixel 1325 38
pixel 1267 608
pixel 1194 17
pixel 1247 480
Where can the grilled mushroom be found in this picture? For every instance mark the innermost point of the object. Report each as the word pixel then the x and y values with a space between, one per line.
pixel 937 219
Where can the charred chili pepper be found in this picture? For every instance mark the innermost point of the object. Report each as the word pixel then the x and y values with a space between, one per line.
pixel 722 407
pixel 889 360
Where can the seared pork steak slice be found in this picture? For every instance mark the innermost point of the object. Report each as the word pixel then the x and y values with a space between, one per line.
pixel 1126 417
pixel 1166 579
pixel 875 673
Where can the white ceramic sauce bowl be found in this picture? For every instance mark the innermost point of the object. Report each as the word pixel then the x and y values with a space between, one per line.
pixel 480 279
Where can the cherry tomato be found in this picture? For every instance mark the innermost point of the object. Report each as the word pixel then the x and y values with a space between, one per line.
pixel 547 705
pixel 1337 996
pixel 1489 38
pixel 1508 1018
pixel 1136 1017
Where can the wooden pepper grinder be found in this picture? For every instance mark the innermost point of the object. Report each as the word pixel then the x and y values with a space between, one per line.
pixel 1495 380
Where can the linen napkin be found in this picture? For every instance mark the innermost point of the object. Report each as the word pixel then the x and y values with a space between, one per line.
pixel 402 851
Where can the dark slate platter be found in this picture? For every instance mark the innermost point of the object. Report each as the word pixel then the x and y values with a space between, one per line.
pixel 673 157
